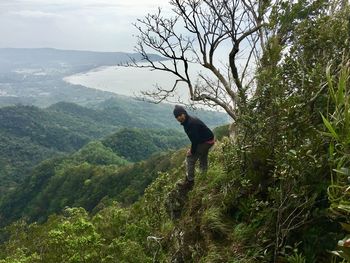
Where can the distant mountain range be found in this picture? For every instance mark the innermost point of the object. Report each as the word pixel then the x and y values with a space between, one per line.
pixel 65 60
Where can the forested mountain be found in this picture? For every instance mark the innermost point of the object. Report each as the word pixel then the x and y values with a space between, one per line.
pixel 139 144
pixel 30 134
pixel 89 178
pixel 144 114
pixel 96 174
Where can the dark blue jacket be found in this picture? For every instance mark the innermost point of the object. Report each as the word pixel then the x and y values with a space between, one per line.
pixel 197 132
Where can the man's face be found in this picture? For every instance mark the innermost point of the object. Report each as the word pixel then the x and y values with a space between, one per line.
pixel 181 118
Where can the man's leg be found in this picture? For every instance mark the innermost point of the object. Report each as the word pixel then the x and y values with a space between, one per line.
pixel 191 164
pixel 203 151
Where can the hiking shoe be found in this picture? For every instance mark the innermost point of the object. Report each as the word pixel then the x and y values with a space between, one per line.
pixel 186 184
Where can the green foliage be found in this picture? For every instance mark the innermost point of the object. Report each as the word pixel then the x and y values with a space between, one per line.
pixel 296 258
pixel 279 152
pixel 29 135
pixel 56 131
pixel 20 257
pixel 222 131
pixel 126 251
pixel 337 124
pixel 212 222
pixel 89 178
pixel 96 153
pixel 17 158
pixel 75 237
pixel 214 255
pixel 135 144
pixel 223 221
pixel 111 222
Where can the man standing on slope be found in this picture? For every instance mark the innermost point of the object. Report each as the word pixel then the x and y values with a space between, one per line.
pixel 202 139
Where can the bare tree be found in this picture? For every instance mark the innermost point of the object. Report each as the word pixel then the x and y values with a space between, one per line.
pixel 197 32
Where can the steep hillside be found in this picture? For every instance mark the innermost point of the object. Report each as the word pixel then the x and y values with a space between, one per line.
pixel 96 173
pixel 90 177
pixel 223 219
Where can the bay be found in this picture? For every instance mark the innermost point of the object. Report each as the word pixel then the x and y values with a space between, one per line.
pixel 128 81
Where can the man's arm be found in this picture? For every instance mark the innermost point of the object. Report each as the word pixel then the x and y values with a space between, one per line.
pixel 194 136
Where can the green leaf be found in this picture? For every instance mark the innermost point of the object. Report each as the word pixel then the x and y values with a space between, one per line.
pixel 343 170
pixel 345 226
pixel 331 149
pixel 343 207
pixel 327 134
pixel 330 83
pixel 330 128
pixel 293 152
pixel 342 85
pixel 340 91
pixel 346 117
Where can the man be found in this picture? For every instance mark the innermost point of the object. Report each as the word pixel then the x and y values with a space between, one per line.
pixel 202 139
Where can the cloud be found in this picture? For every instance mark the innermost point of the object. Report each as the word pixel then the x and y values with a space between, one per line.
pixel 35 14
pixel 103 25
pixel 130 9
pixel 9 4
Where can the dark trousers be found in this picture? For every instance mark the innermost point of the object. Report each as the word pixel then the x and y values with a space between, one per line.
pixel 201 155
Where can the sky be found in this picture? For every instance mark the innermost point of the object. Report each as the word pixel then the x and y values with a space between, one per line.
pixel 96 25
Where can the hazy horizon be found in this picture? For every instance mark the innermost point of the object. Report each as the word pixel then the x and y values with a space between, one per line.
pixel 89 25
